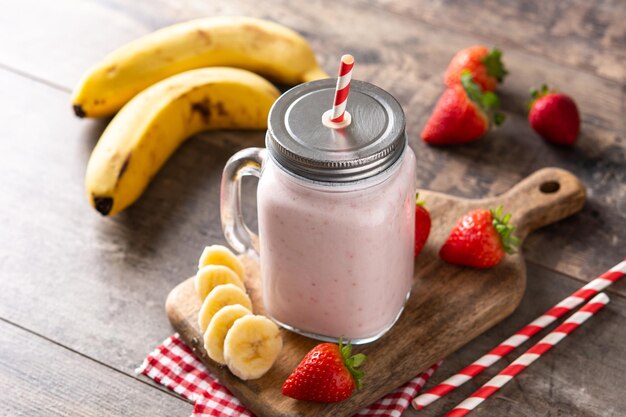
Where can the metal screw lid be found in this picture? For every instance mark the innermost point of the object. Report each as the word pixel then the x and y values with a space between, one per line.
pixel 300 143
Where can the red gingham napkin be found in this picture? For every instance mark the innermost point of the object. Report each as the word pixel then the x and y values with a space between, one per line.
pixel 173 365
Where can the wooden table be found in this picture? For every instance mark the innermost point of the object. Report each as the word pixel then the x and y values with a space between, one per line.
pixel 81 296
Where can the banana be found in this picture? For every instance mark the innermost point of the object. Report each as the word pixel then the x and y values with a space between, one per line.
pixel 210 276
pixel 251 346
pixel 221 255
pixel 220 296
pixel 141 137
pixel 218 327
pixel 264 47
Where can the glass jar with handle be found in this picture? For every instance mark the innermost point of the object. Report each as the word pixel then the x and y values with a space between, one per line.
pixel 336 213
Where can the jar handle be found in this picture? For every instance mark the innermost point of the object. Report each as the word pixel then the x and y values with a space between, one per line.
pixel 245 162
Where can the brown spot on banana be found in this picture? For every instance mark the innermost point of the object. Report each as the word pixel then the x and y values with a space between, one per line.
pixel 112 70
pixel 163 56
pixel 206 38
pixel 124 166
pixel 220 109
pixel 255 29
pixel 203 108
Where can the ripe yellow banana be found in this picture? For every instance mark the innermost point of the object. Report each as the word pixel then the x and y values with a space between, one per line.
pixel 264 47
pixel 141 137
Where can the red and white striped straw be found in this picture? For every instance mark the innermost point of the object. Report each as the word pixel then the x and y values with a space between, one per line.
pixel 504 348
pixel 342 90
pixel 531 355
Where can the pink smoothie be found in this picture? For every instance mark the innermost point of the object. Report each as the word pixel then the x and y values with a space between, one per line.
pixel 337 261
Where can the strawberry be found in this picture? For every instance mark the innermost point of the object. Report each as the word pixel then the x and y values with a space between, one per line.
pixel 422 225
pixel 326 374
pixel 462 114
pixel 479 239
pixel 485 66
pixel 554 116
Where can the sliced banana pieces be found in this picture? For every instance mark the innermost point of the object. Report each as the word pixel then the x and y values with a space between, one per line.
pixel 221 255
pixel 251 346
pixel 220 296
pixel 247 344
pixel 219 326
pixel 211 276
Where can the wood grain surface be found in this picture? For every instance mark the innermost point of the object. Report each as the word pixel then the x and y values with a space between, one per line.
pixel 46 379
pixel 584 35
pixel 448 307
pixel 96 286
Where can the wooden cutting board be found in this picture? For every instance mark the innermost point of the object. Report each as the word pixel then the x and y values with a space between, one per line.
pixel 448 307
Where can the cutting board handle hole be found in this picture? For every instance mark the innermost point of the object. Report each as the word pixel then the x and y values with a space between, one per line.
pixel 549 187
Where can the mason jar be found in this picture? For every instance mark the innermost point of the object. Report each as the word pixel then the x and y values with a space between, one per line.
pixel 336 213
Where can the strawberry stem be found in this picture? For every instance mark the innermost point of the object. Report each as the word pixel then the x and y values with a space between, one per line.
pixel 498 118
pixel 352 362
pixel 494 65
pixel 474 92
pixel 487 100
pixel 504 229
pixel 537 93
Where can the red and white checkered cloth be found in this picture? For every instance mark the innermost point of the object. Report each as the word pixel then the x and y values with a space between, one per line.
pixel 174 366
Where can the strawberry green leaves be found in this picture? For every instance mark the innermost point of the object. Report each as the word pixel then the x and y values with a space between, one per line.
pixel 352 362
pixel 487 100
pixel 494 65
pixel 504 229
pixel 539 92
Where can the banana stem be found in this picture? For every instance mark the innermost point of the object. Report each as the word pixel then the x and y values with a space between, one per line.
pixel 314 74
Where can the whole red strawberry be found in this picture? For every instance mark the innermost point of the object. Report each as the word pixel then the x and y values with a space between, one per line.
pixel 485 66
pixel 326 374
pixel 422 225
pixel 462 114
pixel 554 116
pixel 479 239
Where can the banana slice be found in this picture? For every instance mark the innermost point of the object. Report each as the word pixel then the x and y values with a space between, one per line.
pixel 211 276
pixel 221 255
pixel 220 296
pixel 251 346
pixel 219 325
